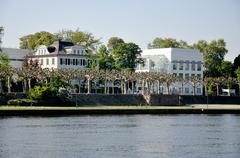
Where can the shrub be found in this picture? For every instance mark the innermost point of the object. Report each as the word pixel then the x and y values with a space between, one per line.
pixel 21 102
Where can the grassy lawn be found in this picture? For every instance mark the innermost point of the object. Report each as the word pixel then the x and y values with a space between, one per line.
pixel 93 108
pixel 4 107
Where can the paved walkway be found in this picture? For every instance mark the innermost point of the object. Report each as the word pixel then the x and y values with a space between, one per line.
pixel 216 106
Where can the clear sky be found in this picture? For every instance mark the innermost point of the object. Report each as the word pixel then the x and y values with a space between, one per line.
pixel 138 21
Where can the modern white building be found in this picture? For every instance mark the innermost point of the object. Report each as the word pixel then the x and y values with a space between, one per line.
pixel 60 55
pixel 185 63
pixel 16 56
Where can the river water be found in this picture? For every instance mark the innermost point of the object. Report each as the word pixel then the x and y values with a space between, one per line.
pixel 140 136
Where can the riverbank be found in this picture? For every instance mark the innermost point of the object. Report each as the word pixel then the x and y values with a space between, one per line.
pixel 118 110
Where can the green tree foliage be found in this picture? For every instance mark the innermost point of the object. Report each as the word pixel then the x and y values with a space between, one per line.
pixel 213 54
pixel 105 59
pixel 1 34
pixel 33 40
pixel 167 43
pixel 4 61
pixel 226 69
pixel 114 42
pixel 236 63
pixel 127 56
pixel 80 38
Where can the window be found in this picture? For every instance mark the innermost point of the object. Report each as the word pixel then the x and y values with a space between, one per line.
pixel 53 61
pixel 68 61
pixel 181 75
pixel 181 66
pixel 186 90
pixel 175 74
pixel 78 51
pixel 186 76
pixel 74 51
pixel 199 67
pixel 47 62
pixel 41 61
pixel 174 66
pixel 73 61
pixel 187 65
pixel 199 91
pixel 81 62
pixel 193 66
pixel 76 61
pixel 199 75
pixel 84 62
pixel 61 61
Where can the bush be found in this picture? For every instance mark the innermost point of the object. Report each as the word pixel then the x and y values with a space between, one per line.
pixel 21 102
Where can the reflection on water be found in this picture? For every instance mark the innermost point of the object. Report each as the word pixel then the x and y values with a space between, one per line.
pixel 165 136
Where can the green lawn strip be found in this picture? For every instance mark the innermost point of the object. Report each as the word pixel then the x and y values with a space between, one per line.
pixel 116 108
pixel 94 108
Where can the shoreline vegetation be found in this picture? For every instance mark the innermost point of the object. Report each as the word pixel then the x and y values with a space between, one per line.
pixel 118 110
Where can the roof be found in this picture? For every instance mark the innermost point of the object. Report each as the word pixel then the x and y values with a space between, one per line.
pixel 58 46
pixel 15 53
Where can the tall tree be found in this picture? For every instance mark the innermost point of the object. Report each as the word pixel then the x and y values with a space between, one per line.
pixel 80 38
pixel 167 43
pixel 238 79
pixel 213 54
pixel 114 42
pixel 226 69
pixel 127 56
pixel 105 59
pixel 1 34
pixel 33 40
pixel 236 64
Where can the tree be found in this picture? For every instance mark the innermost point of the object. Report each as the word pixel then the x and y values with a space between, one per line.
pixel 213 54
pixel 33 40
pixel 226 69
pixel 167 43
pixel 4 66
pixel 238 78
pixel 80 38
pixel 114 42
pixel 1 34
pixel 105 59
pixel 236 64
pixel 127 56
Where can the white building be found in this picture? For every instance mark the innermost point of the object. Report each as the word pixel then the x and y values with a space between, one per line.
pixel 181 62
pixel 60 55
pixel 16 56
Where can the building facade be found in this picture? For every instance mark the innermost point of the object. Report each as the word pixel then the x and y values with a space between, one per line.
pixel 60 55
pixel 184 63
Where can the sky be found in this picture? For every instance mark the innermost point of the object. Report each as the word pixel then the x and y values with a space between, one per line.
pixel 138 21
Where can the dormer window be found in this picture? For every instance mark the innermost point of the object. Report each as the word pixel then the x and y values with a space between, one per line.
pixel 78 51
pixel 74 51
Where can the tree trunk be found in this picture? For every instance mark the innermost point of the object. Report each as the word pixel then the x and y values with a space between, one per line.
pixel 89 86
pixel 105 86
pixel 133 89
pixel 29 84
pixel 217 90
pixel 1 89
pixel 182 89
pixel 112 87
pixel 206 90
pixel 143 87
pixel 9 84
pixel 193 90
pixel 158 87
pixel 79 88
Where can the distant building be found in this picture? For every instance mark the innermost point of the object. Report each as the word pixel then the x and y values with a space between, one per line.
pixel 181 62
pixel 60 55
pixel 16 56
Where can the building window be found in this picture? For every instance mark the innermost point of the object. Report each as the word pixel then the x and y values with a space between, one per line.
pixel 61 61
pixel 186 90
pixel 187 76
pixel 192 75
pixel 53 61
pixel 174 66
pixel 84 62
pixel 73 61
pixel 78 51
pixel 187 66
pixel 47 62
pixel 180 75
pixel 199 75
pixel 76 61
pixel 68 61
pixel 74 51
pixel 180 66
pixel 193 66
pixel 199 67
pixel 81 62
pixel 41 61
pixel 199 90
